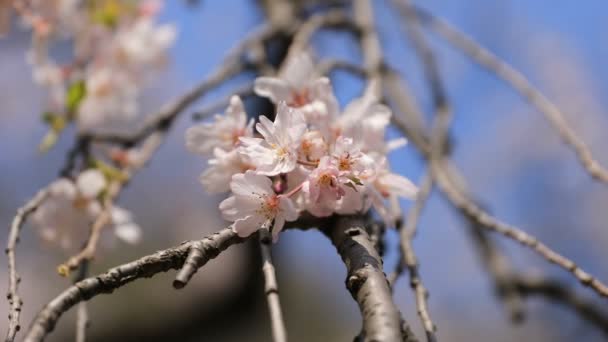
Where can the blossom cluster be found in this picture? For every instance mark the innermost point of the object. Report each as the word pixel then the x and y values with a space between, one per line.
pixel 116 47
pixel 311 158
pixel 67 213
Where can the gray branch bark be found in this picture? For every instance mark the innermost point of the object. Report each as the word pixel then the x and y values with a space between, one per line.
pixel 146 267
pixel 366 281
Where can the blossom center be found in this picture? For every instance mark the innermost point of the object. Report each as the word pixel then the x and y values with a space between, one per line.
pixel 269 206
pixel 299 98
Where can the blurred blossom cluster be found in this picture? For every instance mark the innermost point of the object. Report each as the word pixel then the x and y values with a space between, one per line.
pixel 73 205
pixel 312 158
pixel 115 47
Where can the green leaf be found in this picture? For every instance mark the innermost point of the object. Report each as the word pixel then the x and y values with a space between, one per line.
pixel 355 180
pixel 76 92
pixel 352 186
pixel 109 171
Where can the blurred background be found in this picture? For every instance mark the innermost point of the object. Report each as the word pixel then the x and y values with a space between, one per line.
pixel 512 160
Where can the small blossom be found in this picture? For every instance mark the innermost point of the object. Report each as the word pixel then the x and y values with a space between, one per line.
pixel 144 43
pixel 110 101
pixel 323 189
pixel 365 120
pixel 254 204
pixel 222 167
pixel 386 185
pixel 349 159
pixel 125 227
pixel 300 87
pixel 64 218
pixel 224 132
pixel 278 151
pixel 312 146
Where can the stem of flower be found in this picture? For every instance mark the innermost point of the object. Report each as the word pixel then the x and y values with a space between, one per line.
pixel 308 163
pixel 294 191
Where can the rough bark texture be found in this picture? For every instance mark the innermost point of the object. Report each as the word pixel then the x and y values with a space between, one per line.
pixel 116 277
pixel 366 281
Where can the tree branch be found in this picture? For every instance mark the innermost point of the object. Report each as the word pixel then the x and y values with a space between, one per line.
pixel 366 281
pixel 521 85
pixel 82 316
pixel 409 260
pixel 559 293
pixel 15 302
pixel 271 287
pixel 145 267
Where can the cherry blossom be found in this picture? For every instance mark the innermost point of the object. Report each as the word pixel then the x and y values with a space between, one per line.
pixel 224 132
pixel 254 205
pixel 301 163
pixel 277 152
pixel 299 85
pixel 65 217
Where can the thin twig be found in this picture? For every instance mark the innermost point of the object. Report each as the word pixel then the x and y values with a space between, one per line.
pixel 219 105
pixel 327 66
pixel 102 220
pixel 520 84
pixel 82 316
pixel 271 288
pixel 559 293
pixel 334 18
pixel 495 262
pixel 145 267
pixel 408 257
pixel 514 233
pixel 15 302
pixel 462 202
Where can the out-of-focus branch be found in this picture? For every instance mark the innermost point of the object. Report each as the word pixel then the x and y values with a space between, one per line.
pixel 82 315
pixel 14 300
pixel 514 233
pixel 461 201
pixel 495 262
pixel 366 281
pixel 559 293
pixel 146 267
pixel 408 257
pixel 271 288
pixel 217 106
pixel 328 66
pixel 88 252
pixel 335 18
pixel 520 84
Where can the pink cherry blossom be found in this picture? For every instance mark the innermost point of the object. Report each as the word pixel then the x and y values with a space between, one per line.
pixel 277 152
pixel 254 205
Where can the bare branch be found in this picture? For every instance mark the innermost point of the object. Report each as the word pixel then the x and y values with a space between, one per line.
pixel 520 84
pixel 559 293
pixel 408 257
pixel 15 302
pixel 366 281
pixel 82 316
pixel 330 65
pixel 200 252
pixel 271 288
pixel 216 107
pixel 458 199
pixel 145 267
pixel 514 233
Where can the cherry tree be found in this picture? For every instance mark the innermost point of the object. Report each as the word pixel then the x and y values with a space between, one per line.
pixel 310 163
